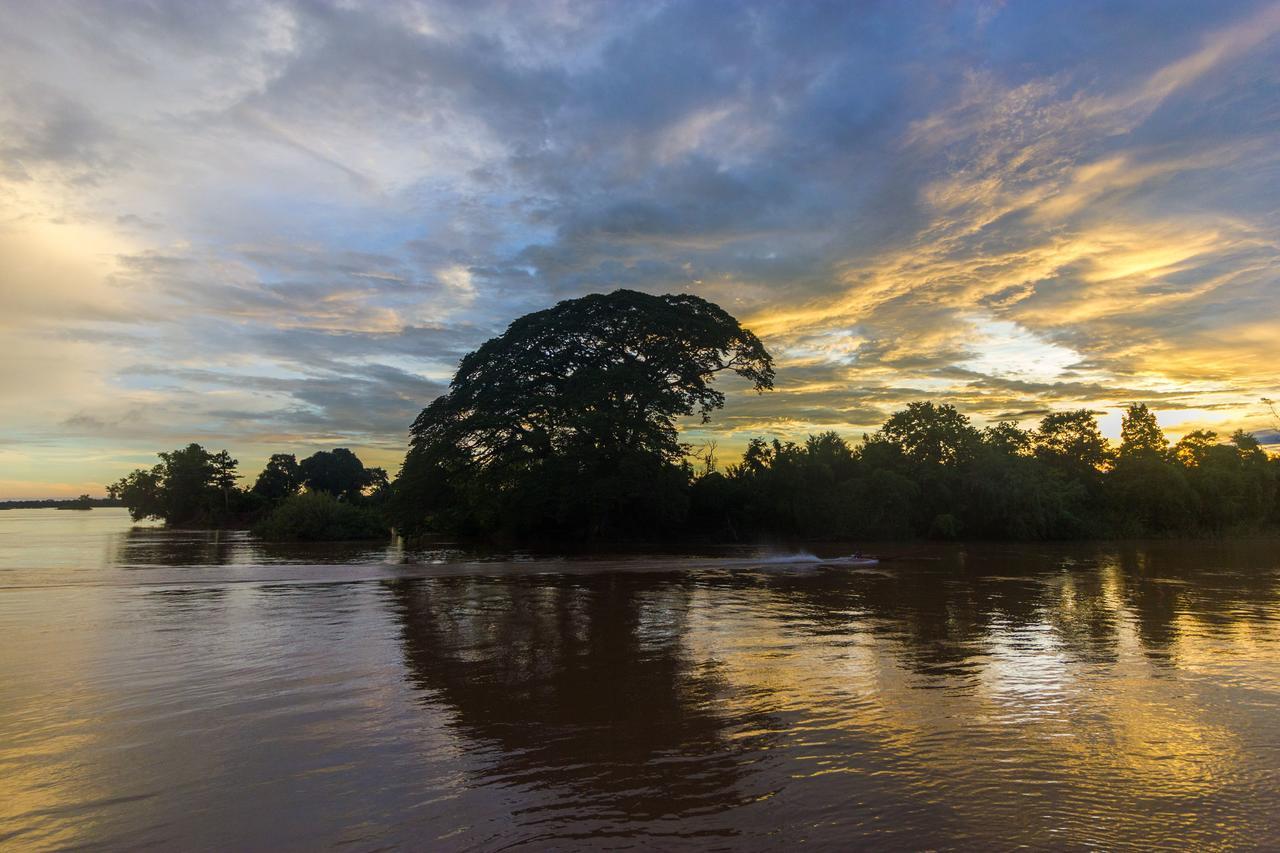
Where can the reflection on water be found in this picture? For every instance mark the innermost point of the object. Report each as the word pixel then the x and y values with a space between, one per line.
pixel 583 683
pixel 197 690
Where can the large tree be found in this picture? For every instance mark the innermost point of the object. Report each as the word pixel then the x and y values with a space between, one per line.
pixel 280 479
pixel 190 486
pixel 1140 434
pixel 931 433
pixel 568 420
pixel 340 473
pixel 1072 442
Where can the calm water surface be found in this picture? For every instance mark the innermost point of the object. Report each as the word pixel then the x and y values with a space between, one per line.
pixel 199 691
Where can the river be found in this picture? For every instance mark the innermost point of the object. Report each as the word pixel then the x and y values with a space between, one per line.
pixel 192 690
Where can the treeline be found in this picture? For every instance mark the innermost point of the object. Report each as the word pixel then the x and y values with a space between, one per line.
pixel 82 502
pixel 928 472
pixel 328 495
pixel 564 427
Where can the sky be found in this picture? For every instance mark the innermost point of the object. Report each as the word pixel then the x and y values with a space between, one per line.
pixel 277 226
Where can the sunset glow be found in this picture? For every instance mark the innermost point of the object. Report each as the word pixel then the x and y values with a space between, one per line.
pixel 278 226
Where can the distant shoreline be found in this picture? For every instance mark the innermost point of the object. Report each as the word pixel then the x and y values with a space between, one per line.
pixel 58 503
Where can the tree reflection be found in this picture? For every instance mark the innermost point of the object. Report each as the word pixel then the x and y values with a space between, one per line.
pixel 638 695
pixel 1211 588
pixel 158 546
pixel 164 547
pixel 945 615
pixel 578 681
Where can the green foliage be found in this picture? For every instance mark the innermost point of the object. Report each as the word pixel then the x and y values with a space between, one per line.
pixel 1140 435
pixel 340 473
pixel 931 434
pixel 565 425
pixel 319 516
pixel 1193 448
pixel 280 479
pixel 1072 443
pixel 928 473
pixel 81 503
pixel 141 492
pixel 945 526
pixel 1149 494
pixel 1007 494
pixel 190 487
pixel 1007 439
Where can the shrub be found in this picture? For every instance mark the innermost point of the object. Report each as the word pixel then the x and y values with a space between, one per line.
pixel 944 526
pixel 316 516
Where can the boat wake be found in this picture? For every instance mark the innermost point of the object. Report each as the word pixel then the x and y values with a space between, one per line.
pixel 805 558
pixel 787 559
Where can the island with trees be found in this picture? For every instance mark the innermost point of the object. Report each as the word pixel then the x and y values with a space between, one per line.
pixel 329 495
pixel 566 428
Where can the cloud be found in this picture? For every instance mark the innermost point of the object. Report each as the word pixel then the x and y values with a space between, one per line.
pixel 288 220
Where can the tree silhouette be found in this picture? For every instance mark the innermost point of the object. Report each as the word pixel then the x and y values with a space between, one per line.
pixel 338 472
pixel 930 433
pixel 567 421
pixel 1072 442
pixel 224 475
pixel 190 486
pixel 1140 434
pixel 281 478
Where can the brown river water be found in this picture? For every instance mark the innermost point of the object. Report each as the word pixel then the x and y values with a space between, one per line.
pixel 190 690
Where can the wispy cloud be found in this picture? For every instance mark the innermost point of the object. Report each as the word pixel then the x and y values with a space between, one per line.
pixel 281 223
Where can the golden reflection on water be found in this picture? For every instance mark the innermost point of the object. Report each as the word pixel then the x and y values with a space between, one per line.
pixel 34 784
pixel 42 770
pixel 1056 696
pixel 1034 701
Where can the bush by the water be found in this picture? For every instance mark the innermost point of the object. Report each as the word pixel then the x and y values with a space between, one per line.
pixel 317 516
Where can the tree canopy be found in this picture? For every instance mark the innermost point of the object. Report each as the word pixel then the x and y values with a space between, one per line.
pixel 280 478
pixel 1072 442
pixel 339 473
pixel 931 433
pixel 1140 434
pixel 566 426
pixel 192 487
pixel 927 472
pixel 567 422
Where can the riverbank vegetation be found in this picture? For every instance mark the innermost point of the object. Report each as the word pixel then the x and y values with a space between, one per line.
pixel 565 428
pixel 320 516
pixel 928 472
pixel 328 495
pixel 82 502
